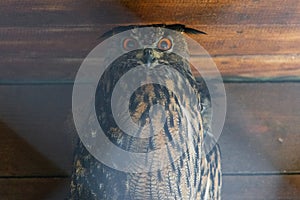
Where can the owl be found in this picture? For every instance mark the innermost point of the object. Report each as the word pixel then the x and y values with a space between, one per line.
pixel 163 71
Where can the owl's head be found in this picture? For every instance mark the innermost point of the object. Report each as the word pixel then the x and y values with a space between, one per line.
pixel 152 44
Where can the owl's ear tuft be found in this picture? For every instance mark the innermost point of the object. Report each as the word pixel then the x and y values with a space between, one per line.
pixel 193 31
pixel 182 28
pixel 116 30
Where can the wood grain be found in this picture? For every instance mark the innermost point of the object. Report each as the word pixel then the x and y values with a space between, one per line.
pixel 56 53
pixel 76 42
pixel 36 13
pixel 258 67
pixel 216 11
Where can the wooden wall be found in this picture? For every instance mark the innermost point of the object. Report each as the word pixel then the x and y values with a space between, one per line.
pixel 255 44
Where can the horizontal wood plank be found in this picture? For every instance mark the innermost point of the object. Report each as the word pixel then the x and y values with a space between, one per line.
pixel 35 138
pixel 34 188
pixel 261 132
pixel 56 53
pixel 36 13
pixel 18 157
pixel 261 187
pixel 258 67
pixel 234 188
pixel 77 42
pixel 216 11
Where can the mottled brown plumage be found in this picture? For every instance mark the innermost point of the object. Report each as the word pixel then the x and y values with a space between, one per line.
pixel 194 175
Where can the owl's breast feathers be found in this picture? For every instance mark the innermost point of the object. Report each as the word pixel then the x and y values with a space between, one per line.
pixel 193 175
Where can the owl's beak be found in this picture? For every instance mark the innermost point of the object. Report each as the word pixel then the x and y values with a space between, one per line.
pixel 148 56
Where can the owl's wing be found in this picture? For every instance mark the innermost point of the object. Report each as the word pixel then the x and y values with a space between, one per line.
pixel 211 147
pixel 93 180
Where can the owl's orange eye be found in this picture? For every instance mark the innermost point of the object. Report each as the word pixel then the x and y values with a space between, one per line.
pixel 130 44
pixel 164 44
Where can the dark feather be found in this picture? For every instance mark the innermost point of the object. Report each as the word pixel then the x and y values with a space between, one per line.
pixel 184 29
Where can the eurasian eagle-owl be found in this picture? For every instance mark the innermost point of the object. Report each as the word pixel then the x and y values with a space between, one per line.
pixel 194 174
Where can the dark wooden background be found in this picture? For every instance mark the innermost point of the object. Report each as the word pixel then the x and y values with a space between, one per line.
pixel 255 44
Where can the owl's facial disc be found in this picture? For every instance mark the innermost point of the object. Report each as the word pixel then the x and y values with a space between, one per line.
pixel 152 46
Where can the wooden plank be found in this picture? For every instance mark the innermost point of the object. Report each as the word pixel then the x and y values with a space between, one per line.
pixel 261 132
pixel 216 11
pixel 56 53
pixel 261 187
pixel 36 13
pixel 234 187
pixel 77 42
pixel 249 39
pixel 18 157
pixel 67 12
pixel 258 67
pixel 35 138
pixel 34 188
